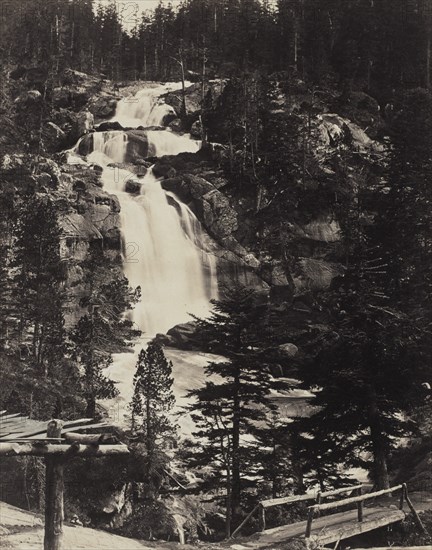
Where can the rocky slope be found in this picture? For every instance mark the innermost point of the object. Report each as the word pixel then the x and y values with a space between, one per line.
pixel 238 233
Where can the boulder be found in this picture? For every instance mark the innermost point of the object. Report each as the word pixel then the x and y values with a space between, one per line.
pixel 184 336
pixel 103 106
pixel 137 145
pixel 28 99
pixel 133 187
pixel 176 125
pixel 85 146
pixel 108 126
pixel 217 214
pixel 83 124
pixel 288 350
pixel 70 97
pixel 161 170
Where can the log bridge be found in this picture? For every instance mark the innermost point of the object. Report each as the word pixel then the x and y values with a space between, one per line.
pixel 57 443
pixel 321 530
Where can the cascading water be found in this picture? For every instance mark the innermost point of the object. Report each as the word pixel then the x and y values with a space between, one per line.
pixel 165 251
pixel 164 247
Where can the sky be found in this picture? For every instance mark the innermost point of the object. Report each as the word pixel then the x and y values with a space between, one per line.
pixel 132 9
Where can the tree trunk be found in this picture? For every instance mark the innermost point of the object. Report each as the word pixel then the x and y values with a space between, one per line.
pixel 235 482
pixel 54 494
pixel 380 472
pixel 91 407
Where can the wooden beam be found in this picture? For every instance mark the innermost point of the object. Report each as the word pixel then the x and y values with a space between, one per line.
pixel 354 500
pixel 72 437
pixel 358 528
pixel 417 519
pixel 243 523
pixel 54 488
pixel 41 449
pixel 341 491
pixel 286 500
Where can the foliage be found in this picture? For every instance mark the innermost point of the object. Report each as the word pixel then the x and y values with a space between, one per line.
pixel 103 330
pixel 234 401
pixel 151 406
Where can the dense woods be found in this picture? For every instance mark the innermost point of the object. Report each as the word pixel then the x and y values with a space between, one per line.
pixel 266 75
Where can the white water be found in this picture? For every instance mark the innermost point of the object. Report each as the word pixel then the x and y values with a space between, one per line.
pixel 164 247
pixel 145 108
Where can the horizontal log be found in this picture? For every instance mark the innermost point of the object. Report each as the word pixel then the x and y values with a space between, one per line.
pixel 340 491
pixel 286 500
pixel 354 500
pixel 71 437
pixel 40 449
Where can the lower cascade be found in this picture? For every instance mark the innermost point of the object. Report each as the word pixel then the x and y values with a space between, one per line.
pixel 164 246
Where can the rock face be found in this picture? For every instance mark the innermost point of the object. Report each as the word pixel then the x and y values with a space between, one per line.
pixel 103 106
pixel 137 145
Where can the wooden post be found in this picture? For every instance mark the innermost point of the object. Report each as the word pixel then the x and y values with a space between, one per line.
pixel 417 519
pixel 402 496
pixel 262 518
pixel 309 522
pixel 54 485
pixel 360 506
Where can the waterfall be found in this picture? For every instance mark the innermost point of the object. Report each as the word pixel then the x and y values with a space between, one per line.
pixel 145 108
pixel 165 249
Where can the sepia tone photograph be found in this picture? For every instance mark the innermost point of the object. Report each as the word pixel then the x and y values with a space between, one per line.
pixel 215 274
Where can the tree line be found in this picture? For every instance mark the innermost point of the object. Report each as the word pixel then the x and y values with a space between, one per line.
pixel 375 45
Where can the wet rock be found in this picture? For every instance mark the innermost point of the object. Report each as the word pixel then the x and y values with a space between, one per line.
pixel 181 337
pixel 161 170
pixel 133 187
pixel 109 126
pixel 85 146
pixel 137 145
pixel 176 125
pixel 137 168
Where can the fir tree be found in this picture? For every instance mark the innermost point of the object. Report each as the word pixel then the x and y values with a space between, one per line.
pixel 38 279
pixel 236 398
pixel 151 406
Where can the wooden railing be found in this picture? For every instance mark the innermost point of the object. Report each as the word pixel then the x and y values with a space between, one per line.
pixel 359 500
pixel 263 505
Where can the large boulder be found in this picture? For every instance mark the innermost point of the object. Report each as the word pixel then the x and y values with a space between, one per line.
pixel 103 106
pixel 137 145
pixel 217 214
pixel 83 124
pixel 108 126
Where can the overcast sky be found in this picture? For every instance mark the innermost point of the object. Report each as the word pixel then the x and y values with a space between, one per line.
pixel 132 9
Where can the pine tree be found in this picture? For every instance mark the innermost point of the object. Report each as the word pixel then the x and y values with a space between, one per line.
pixel 38 279
pixel 229 406
pixel 151 406
pixel 103 330
pixel 369 362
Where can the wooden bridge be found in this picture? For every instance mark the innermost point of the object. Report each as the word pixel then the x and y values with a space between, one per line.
pixel 321 530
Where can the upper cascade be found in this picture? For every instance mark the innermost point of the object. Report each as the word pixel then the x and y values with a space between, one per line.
pixel 145 108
